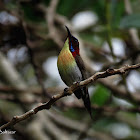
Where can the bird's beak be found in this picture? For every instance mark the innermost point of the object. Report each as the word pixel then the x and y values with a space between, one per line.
pixel 69 33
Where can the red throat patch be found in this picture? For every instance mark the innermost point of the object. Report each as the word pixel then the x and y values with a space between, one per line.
pixel 76 52
pixel 73 47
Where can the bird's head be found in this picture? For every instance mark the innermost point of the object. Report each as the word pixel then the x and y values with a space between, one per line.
pixel 73 43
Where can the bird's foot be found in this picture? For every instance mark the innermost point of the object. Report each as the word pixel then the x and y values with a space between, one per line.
pixel 76 83
pixel 65 91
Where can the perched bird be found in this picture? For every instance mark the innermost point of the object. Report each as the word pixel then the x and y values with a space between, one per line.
pixel 71 68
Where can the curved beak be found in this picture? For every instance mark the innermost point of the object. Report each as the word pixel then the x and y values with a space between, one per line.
pixel 69 33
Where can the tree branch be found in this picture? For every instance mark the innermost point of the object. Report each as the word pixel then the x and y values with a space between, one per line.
pixel 69 91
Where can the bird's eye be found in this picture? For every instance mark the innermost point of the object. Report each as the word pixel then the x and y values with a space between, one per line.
pixel 75 39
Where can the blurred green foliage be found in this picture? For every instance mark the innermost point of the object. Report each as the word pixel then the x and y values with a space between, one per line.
pixel 101 95
pixel 131 21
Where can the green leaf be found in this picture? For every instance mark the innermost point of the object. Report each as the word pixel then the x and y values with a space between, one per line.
pixel 130 21
pixel 71 7
pixel 101 95
pixel 74 113
pixel 117 10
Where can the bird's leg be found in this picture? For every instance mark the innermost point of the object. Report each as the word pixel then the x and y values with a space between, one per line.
pixel 77 84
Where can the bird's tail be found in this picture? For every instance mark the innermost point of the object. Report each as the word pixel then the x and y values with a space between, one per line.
pixel 86 100
pixel 83 93
pixel 78 93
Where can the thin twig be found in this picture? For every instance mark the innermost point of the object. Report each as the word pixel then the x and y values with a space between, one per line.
pixel 106 108
pixel 50 15
pixel 32 61
pixel 69 91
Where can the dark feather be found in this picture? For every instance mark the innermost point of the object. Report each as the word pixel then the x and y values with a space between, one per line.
pixel 86 101
pixel 78 93
pixel 81 66
pixel 83 92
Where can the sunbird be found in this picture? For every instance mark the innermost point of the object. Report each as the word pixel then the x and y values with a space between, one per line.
pixel 71 68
